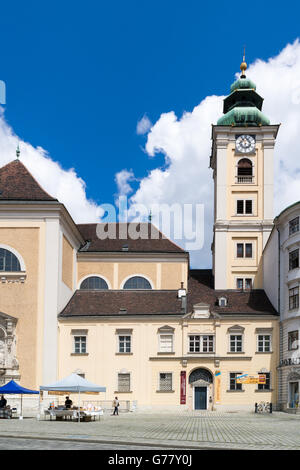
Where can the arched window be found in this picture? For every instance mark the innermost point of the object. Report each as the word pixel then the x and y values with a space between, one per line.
pixel 94 283
pixel 137 282
pixel 245 171
pixel 8 261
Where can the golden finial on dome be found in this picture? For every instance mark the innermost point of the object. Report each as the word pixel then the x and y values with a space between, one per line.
pixel 243 65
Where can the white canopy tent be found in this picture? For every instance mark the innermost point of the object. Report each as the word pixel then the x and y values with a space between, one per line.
pixel 72 384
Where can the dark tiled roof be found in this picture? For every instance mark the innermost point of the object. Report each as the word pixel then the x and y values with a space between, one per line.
pixel 162 302
pixel 100 303
pixel 252 302
pixel 18 184
pixel 150 241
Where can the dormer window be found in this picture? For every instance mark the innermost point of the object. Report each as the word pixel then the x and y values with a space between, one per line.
pixel 222 301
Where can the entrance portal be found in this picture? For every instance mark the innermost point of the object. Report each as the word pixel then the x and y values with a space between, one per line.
pixel 200 381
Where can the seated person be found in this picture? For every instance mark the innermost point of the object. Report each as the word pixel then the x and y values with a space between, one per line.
pixel 68 403
pixel 3 402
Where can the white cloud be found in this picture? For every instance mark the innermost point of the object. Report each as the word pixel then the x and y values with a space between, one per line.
pixel 185 143
pixel 144 125
pixel 62 184
pixel 122 179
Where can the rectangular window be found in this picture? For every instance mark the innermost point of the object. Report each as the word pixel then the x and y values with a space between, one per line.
pixel 236 343
pixel 267 385
pixel 294 226
pixel 264 343
pixel 233 385
pixel 293 340
pixel 248 250
pixel 165 381
pixel 124 344
pixel 166 343
pixel 244 206
pixel 293 298
pixel 294 259
pixel 201 343
pixel 244 250
pixel 79 344
pixel 240 250
pixel 242 283
pixel 123 382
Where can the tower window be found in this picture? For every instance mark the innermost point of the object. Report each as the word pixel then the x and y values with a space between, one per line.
pixel 294 259
pixel 244 250
pixel 244 206
pixel 294 226
pixel 245 171
pixel 244 283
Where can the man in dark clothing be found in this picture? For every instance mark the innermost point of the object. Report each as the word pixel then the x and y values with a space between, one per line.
pixel 3 402
pixel 68 403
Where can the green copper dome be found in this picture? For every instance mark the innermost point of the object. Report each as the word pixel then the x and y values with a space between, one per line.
pixel 242 83
pixel 244 116
pixel 242 107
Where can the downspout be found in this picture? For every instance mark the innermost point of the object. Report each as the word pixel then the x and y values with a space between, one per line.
pixel 278 269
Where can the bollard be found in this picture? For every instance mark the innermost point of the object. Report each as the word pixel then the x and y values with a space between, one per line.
pixel 271 407
pixel 255 408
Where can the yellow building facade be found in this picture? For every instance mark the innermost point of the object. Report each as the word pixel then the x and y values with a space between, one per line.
pixel 126 311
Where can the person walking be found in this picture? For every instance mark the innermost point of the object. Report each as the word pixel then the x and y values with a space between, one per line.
pixel 116 405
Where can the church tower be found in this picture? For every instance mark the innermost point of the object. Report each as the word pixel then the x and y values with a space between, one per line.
pixel 242 161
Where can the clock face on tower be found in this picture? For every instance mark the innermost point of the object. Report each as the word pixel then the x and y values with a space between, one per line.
pixel 245 143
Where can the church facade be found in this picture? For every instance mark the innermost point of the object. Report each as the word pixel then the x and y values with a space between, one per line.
pixel 127 312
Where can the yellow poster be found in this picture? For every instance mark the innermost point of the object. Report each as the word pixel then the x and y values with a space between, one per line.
pixel 218 386
pixel 251 379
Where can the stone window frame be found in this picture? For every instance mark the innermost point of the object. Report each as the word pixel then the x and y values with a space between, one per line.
pixel 159 389
pixel 201 335
pixel 79 333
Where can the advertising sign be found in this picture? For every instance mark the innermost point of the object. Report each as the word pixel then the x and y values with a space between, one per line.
pixel 251 379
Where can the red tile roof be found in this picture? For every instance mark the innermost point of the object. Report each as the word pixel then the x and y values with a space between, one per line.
pixel 18 184
pixel 164 302
pixel 151 239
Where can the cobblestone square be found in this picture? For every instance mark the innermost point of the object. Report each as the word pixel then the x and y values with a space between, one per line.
pixel 185 430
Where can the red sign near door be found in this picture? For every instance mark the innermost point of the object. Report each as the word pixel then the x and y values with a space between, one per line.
pixel 183 387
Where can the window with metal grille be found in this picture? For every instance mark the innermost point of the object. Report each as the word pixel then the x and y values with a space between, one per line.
pixel 165 381
pixel 294 259
pixel 236 343
pixel 232 381
pixel 201 343
pixel 124 382
pixel 8 261
pixel 294 225
pixel 245 167
pixel 264 343
pixel 294 298
pixel 293 340
pixel 166 343
pixel 137 282
pixel 94 283
pixel 124 344
pixel 267 385
pixel 80 344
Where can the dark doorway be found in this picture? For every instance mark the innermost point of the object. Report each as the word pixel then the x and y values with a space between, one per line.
pixel 200 398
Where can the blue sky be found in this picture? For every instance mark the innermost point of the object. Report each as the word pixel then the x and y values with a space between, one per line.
pixel 80 75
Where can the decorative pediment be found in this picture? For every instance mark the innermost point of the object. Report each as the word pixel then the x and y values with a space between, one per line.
pixel 236 329
pixel 201 310
pixel 166 329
